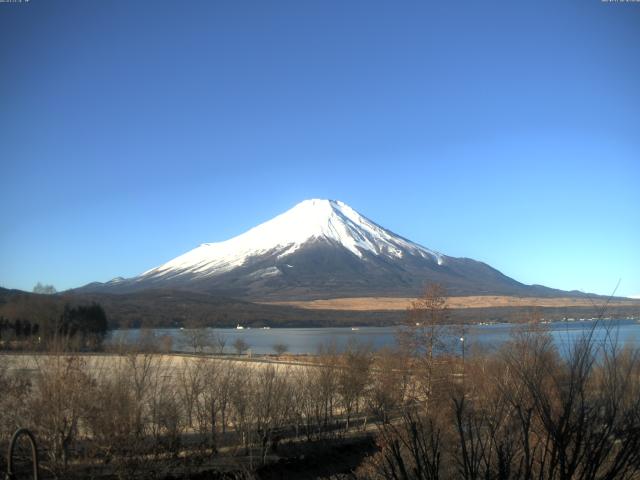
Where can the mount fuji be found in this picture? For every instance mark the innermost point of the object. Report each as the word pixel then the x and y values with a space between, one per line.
pixel 320 249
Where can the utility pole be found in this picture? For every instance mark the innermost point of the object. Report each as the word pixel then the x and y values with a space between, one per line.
pixel 462 346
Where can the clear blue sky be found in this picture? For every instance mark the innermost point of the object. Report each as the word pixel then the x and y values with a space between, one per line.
pixel 508 132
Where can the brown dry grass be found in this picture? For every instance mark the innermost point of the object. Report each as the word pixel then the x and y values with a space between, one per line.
pixel 488 301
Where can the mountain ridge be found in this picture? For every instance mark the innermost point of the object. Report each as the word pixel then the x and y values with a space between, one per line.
pixel 321 249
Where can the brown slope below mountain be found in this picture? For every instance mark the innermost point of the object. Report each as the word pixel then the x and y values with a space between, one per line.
pixel 477 301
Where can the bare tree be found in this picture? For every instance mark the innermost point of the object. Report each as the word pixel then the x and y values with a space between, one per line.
pixel 147 342
pixel 198 338
pixel 389 383
pixel 353 377
pixel 280 348
pixel 190 380
pixel 58 402
pixel 240 346
pixel 213 409
pixel 310 401
pixel 16 391
pixel 271 406
pixel 409 450
pixel 325 380
pixel 583 407
pixel 219 342
pixel 165 419
pixel 240 402
pixel 425 333
pixel 111 417
pixel 141 369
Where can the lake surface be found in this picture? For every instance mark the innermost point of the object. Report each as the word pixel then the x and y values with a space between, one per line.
pixel 307 340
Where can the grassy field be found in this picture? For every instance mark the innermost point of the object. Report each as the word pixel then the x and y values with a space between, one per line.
pixel 489 301
pixel 106 363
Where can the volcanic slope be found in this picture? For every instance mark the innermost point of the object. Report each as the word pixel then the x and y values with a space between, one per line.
pixel 321 249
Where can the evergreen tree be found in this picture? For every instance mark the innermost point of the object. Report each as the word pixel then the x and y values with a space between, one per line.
pixel 89 322
pixel 17 327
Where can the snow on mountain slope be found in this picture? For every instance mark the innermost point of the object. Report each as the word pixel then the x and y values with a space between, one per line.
pixel 308 221
pixel 319 249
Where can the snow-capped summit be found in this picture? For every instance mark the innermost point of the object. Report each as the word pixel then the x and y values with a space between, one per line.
pixel 309 221
pixel 318 249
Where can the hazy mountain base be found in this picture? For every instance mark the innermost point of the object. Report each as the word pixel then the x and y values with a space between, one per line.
pixel 174 308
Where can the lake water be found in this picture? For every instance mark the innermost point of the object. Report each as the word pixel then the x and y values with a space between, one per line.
pixel 307 340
